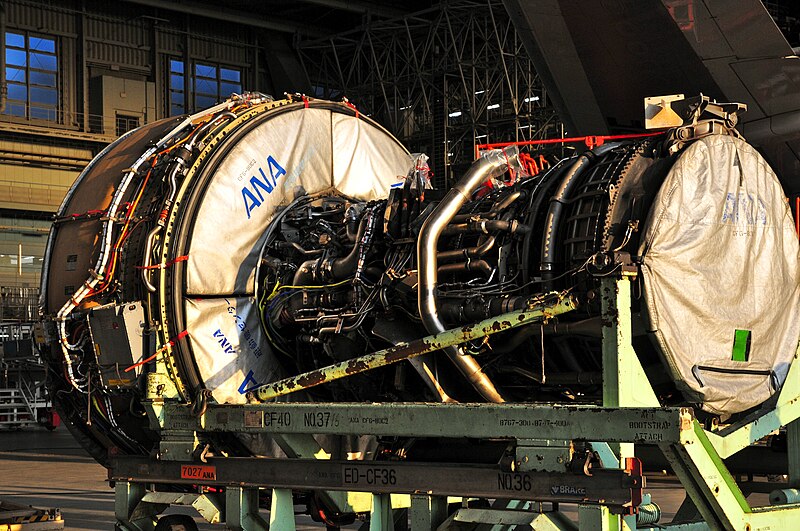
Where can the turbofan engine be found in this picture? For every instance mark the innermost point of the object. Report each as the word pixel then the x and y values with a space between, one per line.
pixel 262 239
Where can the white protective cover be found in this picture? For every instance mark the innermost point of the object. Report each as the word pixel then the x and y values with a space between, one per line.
pixel 300 152
pixel 720 255
pixel 229 346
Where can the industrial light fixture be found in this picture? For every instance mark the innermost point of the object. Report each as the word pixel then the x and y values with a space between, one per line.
pixel 454 114
pixel 479 92
pixel 532 98
pixel 493 106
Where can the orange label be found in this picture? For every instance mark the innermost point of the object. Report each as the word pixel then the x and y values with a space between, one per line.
pixel 198 472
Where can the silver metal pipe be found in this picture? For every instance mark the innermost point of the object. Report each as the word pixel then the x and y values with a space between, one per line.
pixel 148 253
pixel 492 164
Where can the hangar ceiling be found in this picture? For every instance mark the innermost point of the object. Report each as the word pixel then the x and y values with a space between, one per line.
pixel 602 58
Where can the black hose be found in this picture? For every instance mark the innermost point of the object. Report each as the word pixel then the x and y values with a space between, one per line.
pixel 486 225
pixel 481 266
pixel 468 252
pixel 557 202
pixel 338 268
pixel 547 181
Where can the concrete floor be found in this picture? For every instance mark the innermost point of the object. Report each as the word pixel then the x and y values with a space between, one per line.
pixel 50 469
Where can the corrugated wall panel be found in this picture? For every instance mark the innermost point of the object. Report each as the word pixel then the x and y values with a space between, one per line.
pixel 169 42
pixel 124 33
pixel 38 17
pixel 219 52
pixel 29 188
pixel 114 54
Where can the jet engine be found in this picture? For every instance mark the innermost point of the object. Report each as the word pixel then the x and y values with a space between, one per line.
pixel 263 239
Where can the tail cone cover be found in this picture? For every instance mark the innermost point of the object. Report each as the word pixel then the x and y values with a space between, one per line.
pixel 721 275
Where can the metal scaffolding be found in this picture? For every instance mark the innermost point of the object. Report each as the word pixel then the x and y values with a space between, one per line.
pixel 442 80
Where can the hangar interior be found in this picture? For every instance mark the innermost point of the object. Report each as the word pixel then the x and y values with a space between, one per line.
pixel 80 74
pixel 446 79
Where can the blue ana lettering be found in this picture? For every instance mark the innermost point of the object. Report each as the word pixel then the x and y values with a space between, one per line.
pixel 743 208
pixel 227 348
pixel 248 379
pixel 252 195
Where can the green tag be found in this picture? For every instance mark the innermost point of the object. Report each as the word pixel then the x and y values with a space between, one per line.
pixel 741 345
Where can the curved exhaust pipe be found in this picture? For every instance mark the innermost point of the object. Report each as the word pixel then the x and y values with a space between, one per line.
pixel 492 164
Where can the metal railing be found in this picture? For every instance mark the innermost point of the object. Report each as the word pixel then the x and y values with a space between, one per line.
pixel 67 120
pixel 15 410
pixel 19 304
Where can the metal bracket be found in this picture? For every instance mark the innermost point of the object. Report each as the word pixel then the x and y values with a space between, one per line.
pixel 542 455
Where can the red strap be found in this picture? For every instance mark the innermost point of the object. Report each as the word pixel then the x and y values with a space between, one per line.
pixel 159 351
pixel 165 264
pixel 87 213
pixel 351 106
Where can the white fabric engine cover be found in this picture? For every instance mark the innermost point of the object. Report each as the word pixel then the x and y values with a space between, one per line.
pixel 301 152
pixel 290 154
pixel 721 256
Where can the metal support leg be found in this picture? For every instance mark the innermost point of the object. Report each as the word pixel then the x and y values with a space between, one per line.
pixel 625 384
pixel 380 518
pixel 624 381
pixel 281 512
pixel 241 510
pixel 793 449
pixel 597 518
pixel 127 497
pixel 427 512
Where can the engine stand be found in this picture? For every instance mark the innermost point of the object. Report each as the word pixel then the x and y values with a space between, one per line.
pixel 609 498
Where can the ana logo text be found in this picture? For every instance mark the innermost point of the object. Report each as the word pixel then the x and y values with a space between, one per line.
pixel 744 209
pixel 253 194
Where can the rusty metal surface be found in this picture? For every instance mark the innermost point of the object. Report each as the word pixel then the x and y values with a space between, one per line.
pixel 403 351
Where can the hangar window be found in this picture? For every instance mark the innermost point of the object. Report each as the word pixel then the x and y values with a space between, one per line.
pixel 126 123
pixel 214 83
pixel 177 88
pixel 209 83
pixel 32 76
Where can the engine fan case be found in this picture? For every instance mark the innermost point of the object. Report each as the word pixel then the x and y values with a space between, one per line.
pixel 261 167
pixel 720 255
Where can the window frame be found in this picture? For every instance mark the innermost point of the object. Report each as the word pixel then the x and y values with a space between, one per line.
pixel 31 73
pixel 181 92
pixel 223 76
pixel 126 121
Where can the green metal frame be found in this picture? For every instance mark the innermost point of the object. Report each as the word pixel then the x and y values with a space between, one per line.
pixel 630 414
